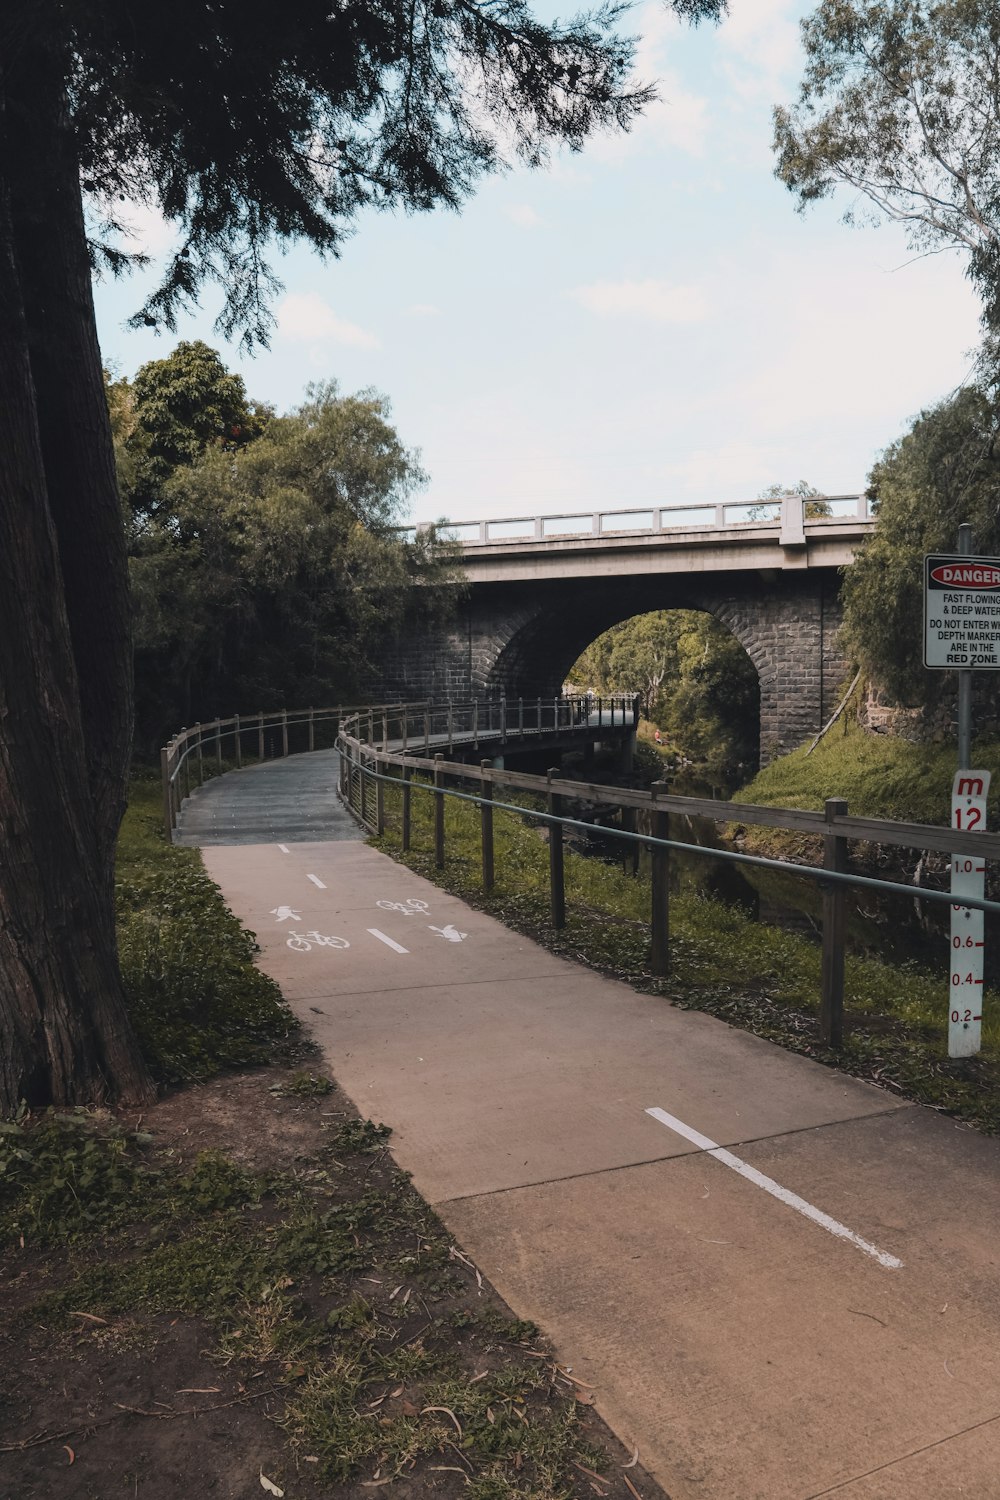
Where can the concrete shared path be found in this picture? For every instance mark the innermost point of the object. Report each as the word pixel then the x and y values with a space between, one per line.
pixel 782 1283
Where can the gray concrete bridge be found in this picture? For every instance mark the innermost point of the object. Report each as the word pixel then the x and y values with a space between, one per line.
pixel 542 588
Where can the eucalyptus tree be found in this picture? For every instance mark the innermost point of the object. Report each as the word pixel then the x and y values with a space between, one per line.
pixel 245 124
pixel 900 102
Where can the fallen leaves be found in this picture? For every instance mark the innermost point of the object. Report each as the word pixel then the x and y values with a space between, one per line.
pixel 270 1486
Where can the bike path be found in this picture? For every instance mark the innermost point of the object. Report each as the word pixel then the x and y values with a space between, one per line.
pixel 782 1285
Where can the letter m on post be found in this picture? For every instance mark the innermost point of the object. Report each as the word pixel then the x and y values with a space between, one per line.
pixel 969 786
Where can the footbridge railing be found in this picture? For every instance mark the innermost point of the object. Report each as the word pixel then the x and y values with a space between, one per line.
pixel 370 765
pixel 206 749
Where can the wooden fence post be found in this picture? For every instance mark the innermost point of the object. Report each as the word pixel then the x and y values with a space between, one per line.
pixel 831 1012
pixel 486 823
pixel 557 882
pixel 659 959
pixel 439 812
pixel 407 794
pixel 168 797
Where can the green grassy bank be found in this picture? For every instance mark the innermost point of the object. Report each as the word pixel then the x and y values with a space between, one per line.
pixel 880 776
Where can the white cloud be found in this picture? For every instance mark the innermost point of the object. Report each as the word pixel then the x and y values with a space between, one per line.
pixel 147 231
pixel 658 301
pixel 523 215
pixel 678 120
pixel 307 318
pixel 760 47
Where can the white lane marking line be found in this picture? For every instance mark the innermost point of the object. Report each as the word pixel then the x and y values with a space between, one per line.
pixel 388 941
pixel 283 848
pixel 316 881
pixel 784 1195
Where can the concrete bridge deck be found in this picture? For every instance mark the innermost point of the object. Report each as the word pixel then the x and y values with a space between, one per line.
pixel 781 1285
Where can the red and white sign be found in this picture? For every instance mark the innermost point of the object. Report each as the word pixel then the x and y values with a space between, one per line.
pixel 969 792
pixel 962 613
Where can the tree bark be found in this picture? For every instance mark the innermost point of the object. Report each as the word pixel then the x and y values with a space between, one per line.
pixel 65 700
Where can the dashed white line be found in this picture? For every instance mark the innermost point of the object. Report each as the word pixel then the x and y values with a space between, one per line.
pixel 833 1226
pixel 316 881
pixel 388 941
pixel 283 848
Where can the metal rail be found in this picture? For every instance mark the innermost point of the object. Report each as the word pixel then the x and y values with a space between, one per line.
pixel 262 736
pixel 367 769
pixel 786 513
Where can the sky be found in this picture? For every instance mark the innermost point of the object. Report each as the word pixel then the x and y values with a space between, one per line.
pixel 648 321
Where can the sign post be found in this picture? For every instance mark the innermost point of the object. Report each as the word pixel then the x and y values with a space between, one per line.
pixel 968 878
pixel 962 634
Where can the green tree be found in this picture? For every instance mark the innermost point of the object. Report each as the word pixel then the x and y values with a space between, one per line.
pixel 900 102
pixel 944 471
pixel 816 504
pixel 694 678
pixel 246 124
pixel 180 406
pixel 271 574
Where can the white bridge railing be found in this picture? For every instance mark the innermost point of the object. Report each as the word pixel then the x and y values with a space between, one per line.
pixel 791 513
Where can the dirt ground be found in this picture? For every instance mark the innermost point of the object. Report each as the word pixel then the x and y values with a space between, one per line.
pixel 142 1404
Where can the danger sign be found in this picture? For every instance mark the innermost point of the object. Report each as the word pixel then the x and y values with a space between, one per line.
pixel 962 613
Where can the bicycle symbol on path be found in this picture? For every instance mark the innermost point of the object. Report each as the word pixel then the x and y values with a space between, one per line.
pixel 303 942
pixel 408 908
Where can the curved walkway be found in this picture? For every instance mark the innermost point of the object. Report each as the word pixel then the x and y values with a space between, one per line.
pixel 780 1282
pixel 291 800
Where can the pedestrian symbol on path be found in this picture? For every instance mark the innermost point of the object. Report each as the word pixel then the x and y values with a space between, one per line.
pixel 450 933
pixel 285 914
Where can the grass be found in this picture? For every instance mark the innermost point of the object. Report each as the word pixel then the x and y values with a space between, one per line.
pixel 381 1354
pixel 879 775
pixel 749 974
pixel 197 1001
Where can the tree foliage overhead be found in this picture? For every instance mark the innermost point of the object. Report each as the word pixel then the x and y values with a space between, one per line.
pixel 248 122
pixel 900 101
pixel 943 472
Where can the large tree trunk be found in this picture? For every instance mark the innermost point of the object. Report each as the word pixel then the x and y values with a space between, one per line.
pixel 65 696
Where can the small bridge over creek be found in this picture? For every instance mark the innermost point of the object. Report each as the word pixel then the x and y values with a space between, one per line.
pixel 541 588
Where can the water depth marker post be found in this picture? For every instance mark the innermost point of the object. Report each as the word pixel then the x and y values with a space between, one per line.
pixel 962 633
pixel 969 792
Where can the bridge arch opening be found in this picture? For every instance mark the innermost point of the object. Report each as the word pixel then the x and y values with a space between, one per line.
pixel 698 688
pixel 707 701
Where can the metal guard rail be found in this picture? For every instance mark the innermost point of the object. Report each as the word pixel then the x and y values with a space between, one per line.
pixel 183 757
pixel 361 762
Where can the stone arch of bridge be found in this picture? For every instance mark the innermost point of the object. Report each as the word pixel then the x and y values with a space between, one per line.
pixel 542 646
pixel 787 627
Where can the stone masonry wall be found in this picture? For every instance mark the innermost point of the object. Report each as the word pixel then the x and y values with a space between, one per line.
pixel 521 640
